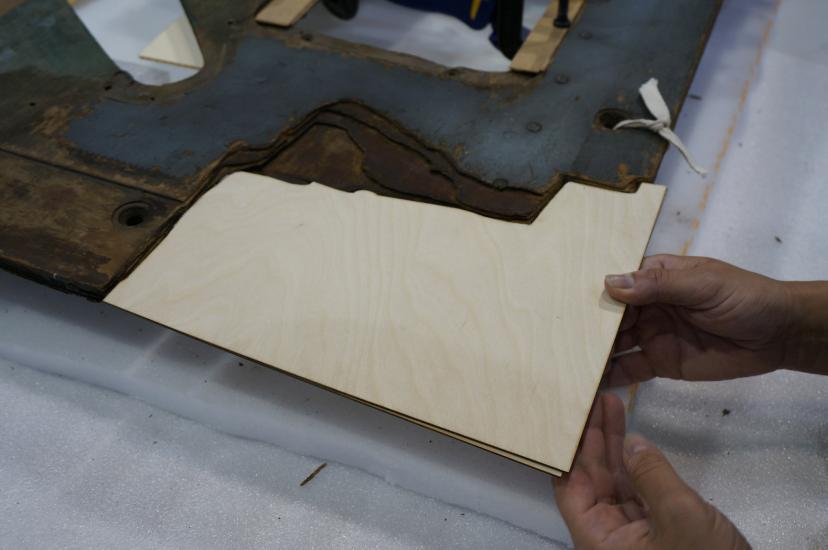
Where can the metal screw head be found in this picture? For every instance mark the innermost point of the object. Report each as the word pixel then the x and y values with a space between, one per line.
pixel 561 78
pixel 586 35
pixel 534 127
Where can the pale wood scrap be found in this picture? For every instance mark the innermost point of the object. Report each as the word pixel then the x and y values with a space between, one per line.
pixel 284 13
pixel 494 331
pixel 542 43
pixel 176 45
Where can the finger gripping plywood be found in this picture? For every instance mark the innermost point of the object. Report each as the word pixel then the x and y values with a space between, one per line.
pixel 494 331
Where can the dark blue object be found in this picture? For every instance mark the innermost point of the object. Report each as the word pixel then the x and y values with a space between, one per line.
pixel 505 17
pixel 461 9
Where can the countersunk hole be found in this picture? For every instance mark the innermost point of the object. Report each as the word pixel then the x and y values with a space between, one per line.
pixel 132 214
pixel 609 118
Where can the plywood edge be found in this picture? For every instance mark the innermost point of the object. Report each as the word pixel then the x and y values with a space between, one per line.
pixel 540 46
pixel 175 45
pixel 650 192
pixel 284 13
pixel 479 444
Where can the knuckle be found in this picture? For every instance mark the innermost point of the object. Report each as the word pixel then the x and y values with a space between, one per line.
pixel 686 507
pixel 708 278
pixel 656 260
pixel 647 463
pixel 662 278
pixel 658 276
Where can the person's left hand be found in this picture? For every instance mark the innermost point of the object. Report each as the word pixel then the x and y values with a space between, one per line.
pixel 629 497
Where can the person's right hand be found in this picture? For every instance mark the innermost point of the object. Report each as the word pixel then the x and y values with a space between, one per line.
pixel 698 319
pixel 625 495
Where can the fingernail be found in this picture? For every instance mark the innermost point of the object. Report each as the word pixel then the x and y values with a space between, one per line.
pixel 620 281
pixel 634 445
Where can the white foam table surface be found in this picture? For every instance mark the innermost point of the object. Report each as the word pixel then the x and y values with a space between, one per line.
pixel 116 432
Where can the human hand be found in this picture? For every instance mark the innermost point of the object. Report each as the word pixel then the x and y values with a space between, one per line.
pixel 698 319
pixel 620 497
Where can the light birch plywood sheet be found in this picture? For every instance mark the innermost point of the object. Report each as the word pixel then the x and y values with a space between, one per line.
pixel 495 331
pixel 540 46
pixel 284 13
pixel 176 45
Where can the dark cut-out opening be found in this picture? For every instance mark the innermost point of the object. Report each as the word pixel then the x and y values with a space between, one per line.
pixel 609 118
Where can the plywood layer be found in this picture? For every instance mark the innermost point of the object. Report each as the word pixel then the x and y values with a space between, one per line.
pixel 497 332
pixel 284 13
pixel 176 45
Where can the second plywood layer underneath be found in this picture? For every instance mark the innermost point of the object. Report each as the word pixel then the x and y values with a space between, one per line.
pixel 493 331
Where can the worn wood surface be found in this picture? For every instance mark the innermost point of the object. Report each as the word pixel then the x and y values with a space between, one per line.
pixel 70 246
pixel 491 330
pixel 540 46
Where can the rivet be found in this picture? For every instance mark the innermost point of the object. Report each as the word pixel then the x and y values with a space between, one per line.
pixel 586 35
pixel 561 78
pixel 534 127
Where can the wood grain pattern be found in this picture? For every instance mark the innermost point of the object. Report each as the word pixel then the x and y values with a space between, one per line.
pixel 492 330
pixel 284 13
pixel 176 45
pixel 539 47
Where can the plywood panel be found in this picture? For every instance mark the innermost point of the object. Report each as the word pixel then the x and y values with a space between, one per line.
pixel 176 45
pixel 491 330
pixel 539 47
pixel 284 13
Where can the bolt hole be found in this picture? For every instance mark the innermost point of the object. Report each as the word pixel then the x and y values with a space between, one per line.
pixel 609 118
pixel 32 104
pixel 108 87
pixel 132 214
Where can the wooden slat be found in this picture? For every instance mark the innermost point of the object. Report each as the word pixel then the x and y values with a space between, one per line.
pixel 284 13
pixel 540 46
pixel 494 331
pixel 176 45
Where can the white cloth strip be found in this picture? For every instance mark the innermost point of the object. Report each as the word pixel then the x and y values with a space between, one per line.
pixel 661 125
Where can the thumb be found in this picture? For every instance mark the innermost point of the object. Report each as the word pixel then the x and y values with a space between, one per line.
pixel 678 287
pixel 653 478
